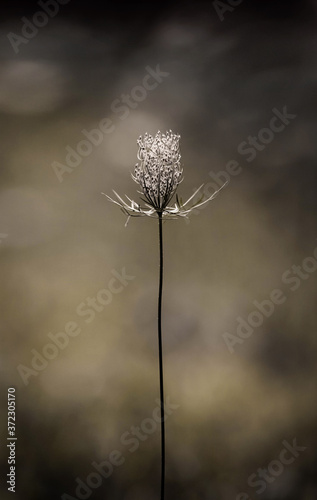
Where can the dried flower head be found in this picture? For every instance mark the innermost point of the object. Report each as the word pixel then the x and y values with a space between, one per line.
pixel 159 173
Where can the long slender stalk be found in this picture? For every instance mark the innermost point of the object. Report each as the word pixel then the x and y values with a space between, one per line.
pixel 159 324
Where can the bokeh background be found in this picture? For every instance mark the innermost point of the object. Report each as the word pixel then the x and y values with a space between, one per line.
pixel 61 240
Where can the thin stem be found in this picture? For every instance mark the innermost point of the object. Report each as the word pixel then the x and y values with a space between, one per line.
pixel 159 324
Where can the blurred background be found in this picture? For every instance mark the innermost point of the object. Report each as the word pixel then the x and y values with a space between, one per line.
pixel 80 72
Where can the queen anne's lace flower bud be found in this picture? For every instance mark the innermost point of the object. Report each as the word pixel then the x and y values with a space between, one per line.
pixel 159 171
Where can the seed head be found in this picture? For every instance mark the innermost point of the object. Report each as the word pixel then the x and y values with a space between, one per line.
pixel 159 171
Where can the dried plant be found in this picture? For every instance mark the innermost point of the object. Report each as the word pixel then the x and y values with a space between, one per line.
pixel 158 174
